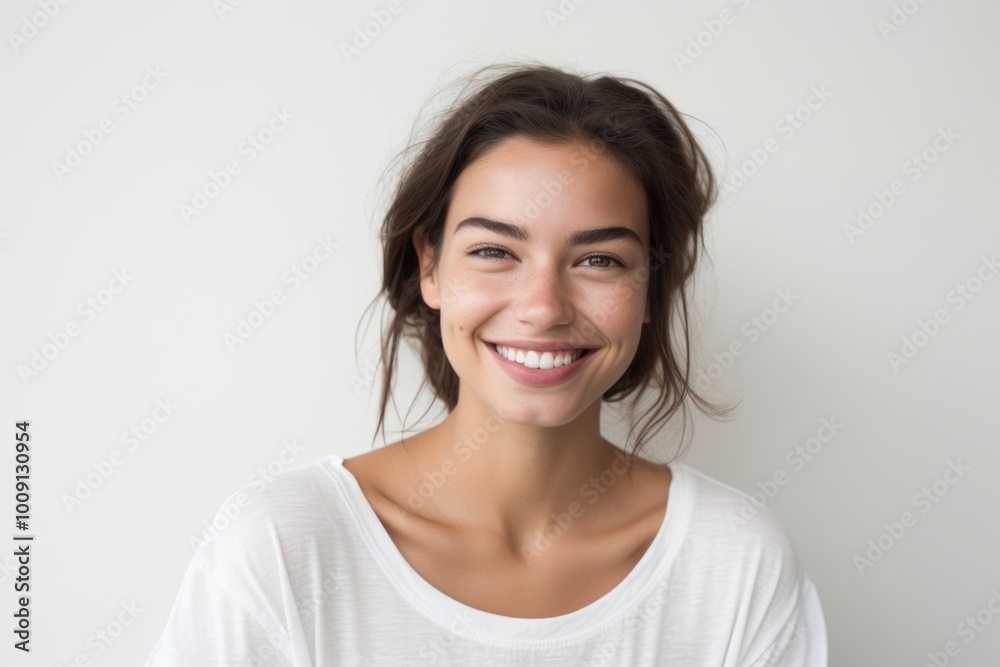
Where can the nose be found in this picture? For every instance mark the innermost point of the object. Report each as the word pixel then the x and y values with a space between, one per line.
pixel 544 299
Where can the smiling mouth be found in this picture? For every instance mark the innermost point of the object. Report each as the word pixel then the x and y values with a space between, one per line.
pixel 539 360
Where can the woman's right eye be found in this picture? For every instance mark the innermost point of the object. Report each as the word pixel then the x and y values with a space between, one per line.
pixel 498 255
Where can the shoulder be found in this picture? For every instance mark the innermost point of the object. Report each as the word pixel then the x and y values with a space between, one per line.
pixel 722 515
pixel 736 543
pixel 272 549
pixel 274 516
pixel 741 558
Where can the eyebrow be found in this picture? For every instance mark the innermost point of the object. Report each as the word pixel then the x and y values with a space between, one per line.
pixel 583 237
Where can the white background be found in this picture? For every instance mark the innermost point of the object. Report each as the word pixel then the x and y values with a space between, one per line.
pixel 297 384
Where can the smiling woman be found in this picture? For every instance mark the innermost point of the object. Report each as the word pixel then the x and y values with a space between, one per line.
pixel 537 249
pixel 573 278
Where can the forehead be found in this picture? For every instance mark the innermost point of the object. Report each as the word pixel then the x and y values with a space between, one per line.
pixel 555 187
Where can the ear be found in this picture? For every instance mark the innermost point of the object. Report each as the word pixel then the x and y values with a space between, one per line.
pixel 429 287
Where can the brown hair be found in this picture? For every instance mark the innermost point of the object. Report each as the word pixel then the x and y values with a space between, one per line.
pixel 641 130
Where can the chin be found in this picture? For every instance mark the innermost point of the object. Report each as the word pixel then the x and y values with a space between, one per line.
pixel 539 413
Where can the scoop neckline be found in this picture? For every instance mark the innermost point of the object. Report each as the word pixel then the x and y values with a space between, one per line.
pixel 650 572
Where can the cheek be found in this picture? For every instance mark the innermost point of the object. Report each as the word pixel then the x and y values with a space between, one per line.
pixel 472 299
pixel 469 297
pixel 619 303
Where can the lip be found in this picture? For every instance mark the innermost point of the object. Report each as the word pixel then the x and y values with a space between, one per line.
pixel 537 377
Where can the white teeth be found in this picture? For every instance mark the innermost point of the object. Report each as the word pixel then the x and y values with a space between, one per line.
pixel 533 359
pixel 546 360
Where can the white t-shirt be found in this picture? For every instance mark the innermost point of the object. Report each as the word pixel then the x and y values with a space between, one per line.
pixel 303 572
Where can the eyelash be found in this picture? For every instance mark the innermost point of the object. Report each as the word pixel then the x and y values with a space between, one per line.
pixel 484 246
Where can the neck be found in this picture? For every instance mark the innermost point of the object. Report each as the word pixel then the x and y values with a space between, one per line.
pixel 521 482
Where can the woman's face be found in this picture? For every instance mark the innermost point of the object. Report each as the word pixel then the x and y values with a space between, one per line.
pixel 510 271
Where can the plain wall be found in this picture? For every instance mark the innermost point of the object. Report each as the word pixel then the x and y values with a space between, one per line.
pixel 884 80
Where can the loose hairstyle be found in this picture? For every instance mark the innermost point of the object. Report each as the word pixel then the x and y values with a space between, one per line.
pixel 623 118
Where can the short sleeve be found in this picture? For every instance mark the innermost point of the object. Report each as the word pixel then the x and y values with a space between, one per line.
pixel 801 641
pixel 208 626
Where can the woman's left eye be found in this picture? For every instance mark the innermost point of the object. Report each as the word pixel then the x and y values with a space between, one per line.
pixel 482 248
